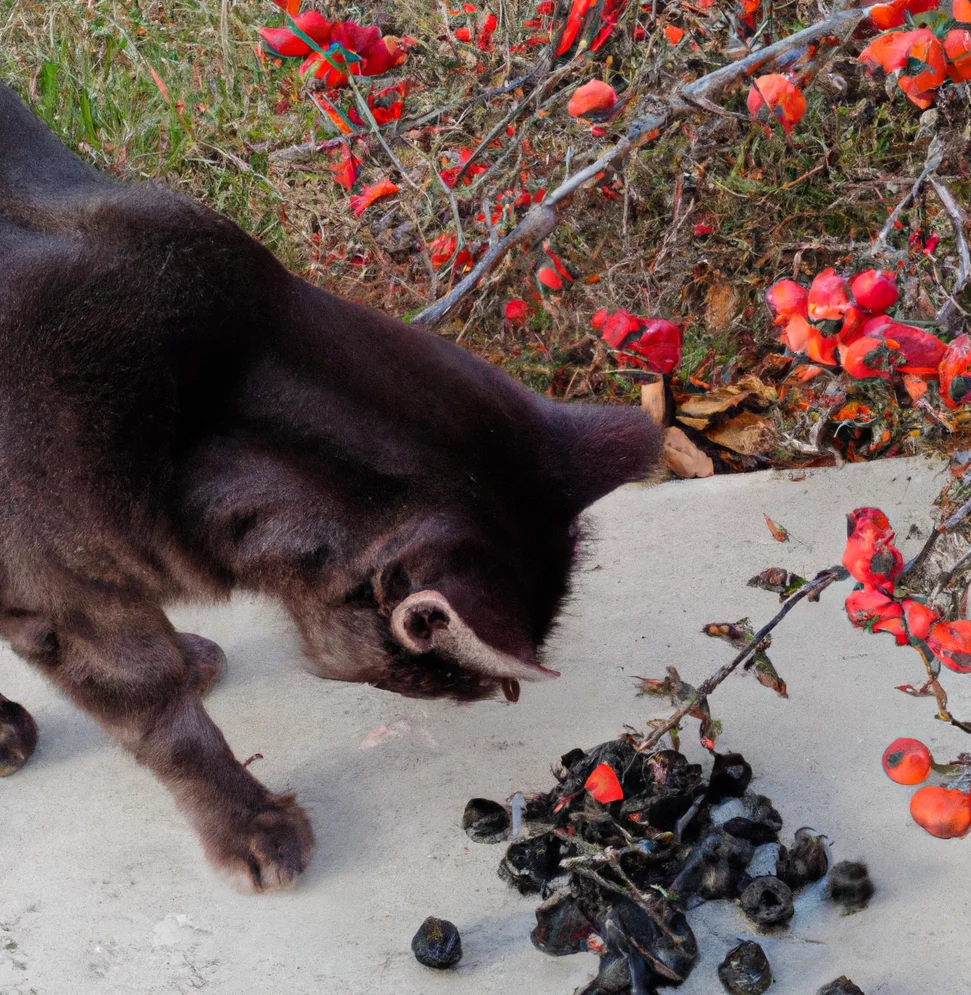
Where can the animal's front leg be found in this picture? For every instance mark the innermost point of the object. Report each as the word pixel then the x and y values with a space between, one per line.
pixel 141 680
pixel 18 736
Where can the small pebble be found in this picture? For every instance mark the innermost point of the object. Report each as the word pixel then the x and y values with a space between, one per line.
pixel 437 943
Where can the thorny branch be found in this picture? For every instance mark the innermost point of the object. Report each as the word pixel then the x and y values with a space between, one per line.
pixel 542 218
pixel 811 589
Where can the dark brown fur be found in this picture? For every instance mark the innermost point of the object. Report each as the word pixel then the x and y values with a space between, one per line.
pixel 181 417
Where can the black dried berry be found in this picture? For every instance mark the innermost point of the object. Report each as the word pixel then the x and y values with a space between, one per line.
pixel 745 970
pixel 561 928
pixel 767 901
pixel 841 986
pixel 849 885
pixel 530 864
pixel 808 860
pixel 485 821
pixel 730 777
pixel 437 943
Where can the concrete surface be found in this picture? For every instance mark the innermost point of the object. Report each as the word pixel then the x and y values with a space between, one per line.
pixel 103 888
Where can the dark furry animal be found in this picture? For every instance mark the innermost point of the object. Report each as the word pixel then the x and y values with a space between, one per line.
pixel 181 417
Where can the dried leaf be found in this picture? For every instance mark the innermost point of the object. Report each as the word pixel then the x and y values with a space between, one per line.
pixel 765 674
pixel 678 692
pixel 778 581
pixel 683 457
pixel 747 433
pixel 737 633
pixel 923 692
pixel 763 391
pixel 778 532
pixel 719 401
pixel 740 634
pixel 720 307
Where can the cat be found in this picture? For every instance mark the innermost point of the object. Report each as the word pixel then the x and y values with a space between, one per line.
pixel 180 417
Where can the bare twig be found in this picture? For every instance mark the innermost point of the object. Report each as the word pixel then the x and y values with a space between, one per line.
pixel 952 522
pixel 463 105
pixel 811 589
pixel 365 112
pixel 645 128
pixel 956 216
pixel 516 110
pixel 305 148
pixel 935 155
pixel 443 10
pixel 940 695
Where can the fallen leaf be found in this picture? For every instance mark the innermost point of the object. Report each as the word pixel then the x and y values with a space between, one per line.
pixel 683 457
pixel 384 732
pixel 719 401
pixel 746 433
pixel 778 532
pixel 778 581
pixel 720 307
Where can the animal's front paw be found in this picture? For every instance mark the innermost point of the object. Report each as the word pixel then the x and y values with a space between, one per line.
pixel 205 659
pixel 269 850
pixel 18 736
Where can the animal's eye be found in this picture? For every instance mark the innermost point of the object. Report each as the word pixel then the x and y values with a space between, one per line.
pixel 363 594
pixel 395 584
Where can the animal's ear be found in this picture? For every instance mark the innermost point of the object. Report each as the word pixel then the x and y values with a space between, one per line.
pixel 427 622
pixel 602 448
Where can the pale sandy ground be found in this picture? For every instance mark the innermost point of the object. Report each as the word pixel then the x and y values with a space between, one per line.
pixel 103 888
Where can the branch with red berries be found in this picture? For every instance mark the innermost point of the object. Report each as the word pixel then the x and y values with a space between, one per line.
pixel 694 701
pixel 543 217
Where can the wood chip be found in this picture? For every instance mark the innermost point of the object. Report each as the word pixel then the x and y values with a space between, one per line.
pixel 652 400
pixel 683 457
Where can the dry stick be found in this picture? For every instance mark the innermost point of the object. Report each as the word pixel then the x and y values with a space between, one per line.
pixel 935 155
pixel 946 526
pixel 443 10
pixel 956 217
pixel 542 218
pixel 466 103
pixel 509 118
pixel 811 589
pixel 365 112
pixel 940 695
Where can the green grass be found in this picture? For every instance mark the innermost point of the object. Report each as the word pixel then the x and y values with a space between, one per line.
pixel 87 68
